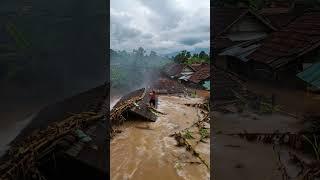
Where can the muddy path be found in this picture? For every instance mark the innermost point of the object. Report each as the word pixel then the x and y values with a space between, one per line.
pixel 145 150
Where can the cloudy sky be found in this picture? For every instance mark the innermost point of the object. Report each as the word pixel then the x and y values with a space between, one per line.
pixel 164 26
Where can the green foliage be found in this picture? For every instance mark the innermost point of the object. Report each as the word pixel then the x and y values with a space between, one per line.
pixel 185 57
pixel 129 69
pixel 204 133
pixel 193 94
pixel 188 135
pixel 182 56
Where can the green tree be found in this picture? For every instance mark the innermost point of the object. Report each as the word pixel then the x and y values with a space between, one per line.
pixel 182 57
pixel 139 52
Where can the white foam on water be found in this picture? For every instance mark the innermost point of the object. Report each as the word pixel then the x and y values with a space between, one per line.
pixel 114 102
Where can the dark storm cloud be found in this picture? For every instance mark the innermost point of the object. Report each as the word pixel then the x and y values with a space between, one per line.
pixel 163 26
pixel 190 41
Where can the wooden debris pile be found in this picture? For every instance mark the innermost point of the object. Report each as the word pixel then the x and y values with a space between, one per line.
pixel 125 103
pixel 292 140
pixel 143 109
pixel 184 137
pixel 22 159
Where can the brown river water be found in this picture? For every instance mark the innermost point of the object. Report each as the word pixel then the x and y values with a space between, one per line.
pixel 144 150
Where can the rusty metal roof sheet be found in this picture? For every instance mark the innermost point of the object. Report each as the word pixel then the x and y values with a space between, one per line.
pixel 200 75
pixel 197 67
pixel 167 86
pixel 284 46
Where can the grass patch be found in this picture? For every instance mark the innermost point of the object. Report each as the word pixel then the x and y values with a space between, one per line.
pixel 188 135
pixel 204 133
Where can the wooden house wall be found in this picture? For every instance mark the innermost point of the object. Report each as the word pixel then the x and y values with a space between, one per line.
pixel 247 28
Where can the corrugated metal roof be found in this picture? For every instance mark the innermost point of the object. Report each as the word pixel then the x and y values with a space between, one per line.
pixel 200 75
pixel 185 77
pixel 311 75
pixel 284 46
pixel 241 51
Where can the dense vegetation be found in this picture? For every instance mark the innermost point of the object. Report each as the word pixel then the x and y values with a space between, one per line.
pixel 133 69
pixel 185 57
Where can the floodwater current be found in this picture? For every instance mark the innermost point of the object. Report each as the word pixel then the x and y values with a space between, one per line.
pixel 145 150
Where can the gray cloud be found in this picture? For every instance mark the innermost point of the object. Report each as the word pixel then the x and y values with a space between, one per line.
pixel 163 26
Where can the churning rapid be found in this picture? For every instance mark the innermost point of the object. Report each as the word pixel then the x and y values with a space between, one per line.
pixel 145 150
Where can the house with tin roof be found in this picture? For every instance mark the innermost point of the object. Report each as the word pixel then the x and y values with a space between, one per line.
pixel 235 26
pixel 289 51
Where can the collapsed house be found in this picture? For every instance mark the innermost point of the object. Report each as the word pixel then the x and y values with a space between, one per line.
pixel 133 104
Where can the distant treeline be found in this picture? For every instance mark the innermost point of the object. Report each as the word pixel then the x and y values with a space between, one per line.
pixel 131 70
pixel 185 57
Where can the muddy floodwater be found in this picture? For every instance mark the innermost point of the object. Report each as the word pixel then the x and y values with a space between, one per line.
pixel 144 150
